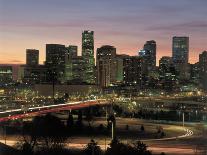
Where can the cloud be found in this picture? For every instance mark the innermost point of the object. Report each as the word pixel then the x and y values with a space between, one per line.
pixel 41 24
pixel 15 61
pixel 10 62
pixel 183 26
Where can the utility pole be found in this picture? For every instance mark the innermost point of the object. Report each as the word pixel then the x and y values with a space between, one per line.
pixel 183 119
pixel 112 130
pixel 113 127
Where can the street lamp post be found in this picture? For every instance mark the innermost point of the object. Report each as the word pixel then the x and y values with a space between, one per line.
pixel 112 119
pixel 112 130
pixel 183 119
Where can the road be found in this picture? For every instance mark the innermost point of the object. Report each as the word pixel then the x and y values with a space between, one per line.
pixel 155 148
pixel 170 145
pixel 34 111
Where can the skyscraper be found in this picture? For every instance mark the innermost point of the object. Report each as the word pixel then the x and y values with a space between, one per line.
pixel 203 69
pixel 194 73
pixel 88 56
pixel 72 53
pixel 73 50
pixel 148 56
pixel 5 75
pixel 106 65
pixel 180 50
pixel 167 74
pixel 120 68
pixel 132 70
pixel 56 63
pixel 147 65
pixel 77 70
pixel 164 65
pixel 32 72
pixel 180 56
pixel 32 57
pixel 150 46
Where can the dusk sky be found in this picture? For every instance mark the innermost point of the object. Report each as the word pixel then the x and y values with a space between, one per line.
pixel 125 24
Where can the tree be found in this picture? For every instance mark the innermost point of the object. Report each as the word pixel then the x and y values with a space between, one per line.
pixel 66 96
pixel 48 130
pixel 92 148
pixel 118 148
pixel 80 116
pixel 101 127
pixel 160 131
pixel 70 120
pixel 127 127
pixel 27 149
pixel 89 118
pixel 52 131
pixel 30 134
pixel 142 128
pixel 141 148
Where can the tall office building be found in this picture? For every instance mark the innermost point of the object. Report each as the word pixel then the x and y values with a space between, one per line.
pixel 57 63
pixel 72 53
pixel 167 73
pixel 194 73
pixel 120 68
pixel 165 64
pixel 106 65
pixel 147 66
pixel 180 50
pixel 77 70
pixel 88 56
pixel 5 75
pixel 32 72
pixel 132 70
pixel 148 56
pixel 32 57
pixel 150 47
pixel 73 50
pixel 203 69
pixel 180 56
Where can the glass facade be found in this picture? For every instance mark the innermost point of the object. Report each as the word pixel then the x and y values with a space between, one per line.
pixel 88 56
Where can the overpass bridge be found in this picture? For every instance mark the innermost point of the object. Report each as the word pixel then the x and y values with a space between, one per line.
pixel 15 114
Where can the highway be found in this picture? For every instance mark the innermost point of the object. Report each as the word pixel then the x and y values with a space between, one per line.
pixel 170 145
pixel 34 111
pixel 155 147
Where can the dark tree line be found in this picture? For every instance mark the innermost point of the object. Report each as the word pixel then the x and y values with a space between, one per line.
pixel 47 132
pixel 48 135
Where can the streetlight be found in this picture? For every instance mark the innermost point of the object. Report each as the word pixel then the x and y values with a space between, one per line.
pixel 112 119
pixel 183 119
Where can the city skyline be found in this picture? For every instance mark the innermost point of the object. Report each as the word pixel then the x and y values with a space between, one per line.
pixel 125 25
pixel 136 53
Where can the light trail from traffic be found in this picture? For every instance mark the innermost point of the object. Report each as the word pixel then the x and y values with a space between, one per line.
pixel 54 108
